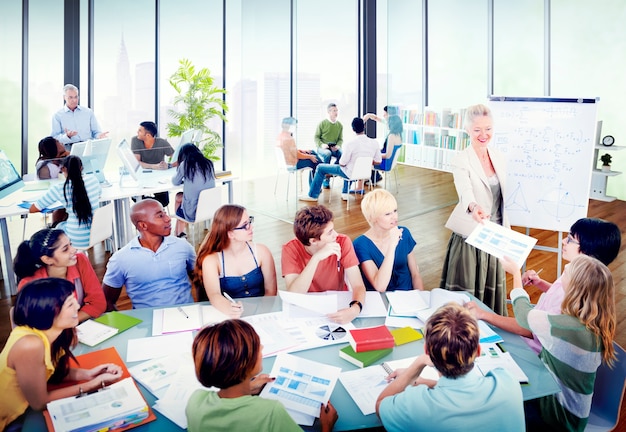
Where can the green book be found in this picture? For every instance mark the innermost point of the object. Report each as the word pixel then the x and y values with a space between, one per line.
pixel 118 320
pixel 363 359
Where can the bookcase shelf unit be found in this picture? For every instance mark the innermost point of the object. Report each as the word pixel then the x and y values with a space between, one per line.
pixel 599 178
pixel 432 138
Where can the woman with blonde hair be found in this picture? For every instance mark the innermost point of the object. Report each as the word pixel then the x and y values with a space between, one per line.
pixel 229 262
pixel 385 251
pixel 587 322
pixel 479 177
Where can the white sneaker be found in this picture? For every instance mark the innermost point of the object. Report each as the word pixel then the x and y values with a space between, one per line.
pixel 307 198
pixel 345 196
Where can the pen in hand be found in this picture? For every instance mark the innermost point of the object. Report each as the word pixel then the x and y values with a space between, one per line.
pixel 183 312
pixel 229 298
pixel 537 274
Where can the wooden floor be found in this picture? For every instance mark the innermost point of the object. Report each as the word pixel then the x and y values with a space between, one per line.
pixel 425 199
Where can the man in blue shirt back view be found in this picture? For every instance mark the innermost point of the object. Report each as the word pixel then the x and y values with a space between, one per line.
pixel 462 399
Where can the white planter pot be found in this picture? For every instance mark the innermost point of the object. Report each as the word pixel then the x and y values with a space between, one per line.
pixel 606 168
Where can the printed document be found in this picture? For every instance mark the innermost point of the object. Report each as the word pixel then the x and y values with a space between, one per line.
pixel 500 241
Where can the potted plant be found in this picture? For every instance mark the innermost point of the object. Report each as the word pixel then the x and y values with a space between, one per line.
pixel 197 101
pixel 606 162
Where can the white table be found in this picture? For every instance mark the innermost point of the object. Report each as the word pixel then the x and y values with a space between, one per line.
pixel 118 192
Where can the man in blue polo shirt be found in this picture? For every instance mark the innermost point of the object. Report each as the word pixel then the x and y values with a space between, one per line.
pixel 154 267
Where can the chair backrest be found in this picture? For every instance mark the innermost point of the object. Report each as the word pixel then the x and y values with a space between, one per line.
pixel 280 160
pixel 209 201
pixel 608 393
pixel 101 225
pixel 362 168
pixel 395 156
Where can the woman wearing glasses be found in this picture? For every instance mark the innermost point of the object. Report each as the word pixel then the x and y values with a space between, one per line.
pixel 230 263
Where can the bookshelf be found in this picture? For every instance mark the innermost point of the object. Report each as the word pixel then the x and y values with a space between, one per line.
pixel 432 138
pixel 599 178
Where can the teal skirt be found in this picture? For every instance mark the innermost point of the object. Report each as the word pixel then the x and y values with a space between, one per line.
pixel 467 268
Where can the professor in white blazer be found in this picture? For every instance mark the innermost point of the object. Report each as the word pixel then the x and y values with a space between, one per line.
pixel 480 181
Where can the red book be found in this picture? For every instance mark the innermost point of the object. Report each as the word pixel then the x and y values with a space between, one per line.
pixel 371 338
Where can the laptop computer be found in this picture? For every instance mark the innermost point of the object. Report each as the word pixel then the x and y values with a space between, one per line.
pixel 10 179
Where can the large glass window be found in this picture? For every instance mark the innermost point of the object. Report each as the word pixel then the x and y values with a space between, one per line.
pixel 11 79
pixel 45 71
pixel 518 48
pixel 588 61
pixel 192 32
pixel 124 66
pixel 457 53
pixel 325 65
pixel 399 56
pixel 259 88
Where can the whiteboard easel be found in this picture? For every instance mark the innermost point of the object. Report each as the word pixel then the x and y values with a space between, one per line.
pixel 548 143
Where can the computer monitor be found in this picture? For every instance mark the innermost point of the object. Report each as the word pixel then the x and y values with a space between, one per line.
pixel 78 149
pixel 185 138
pixel 95 156
pixel 131 164
pixel 10 180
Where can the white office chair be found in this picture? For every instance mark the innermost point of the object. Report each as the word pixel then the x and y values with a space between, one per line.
pixel 282 167
pixel 209 201
pixel 608 394
pixel 101 226
pixel 392 168
pixel 362 170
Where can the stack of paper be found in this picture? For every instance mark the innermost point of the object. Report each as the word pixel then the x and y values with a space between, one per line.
pixel 365 385
pixel 184 318
pixel 297 305
pixel 156 374
pixel 92 333
pixel 492 357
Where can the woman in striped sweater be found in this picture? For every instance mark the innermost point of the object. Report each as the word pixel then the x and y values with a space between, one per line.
pixel 574 343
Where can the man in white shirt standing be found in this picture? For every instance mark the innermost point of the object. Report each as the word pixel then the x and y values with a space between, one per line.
pixel 74 123
pixel 362 145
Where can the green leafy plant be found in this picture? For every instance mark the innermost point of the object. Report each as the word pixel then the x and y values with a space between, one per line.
pixel 197 101
pixel 606 159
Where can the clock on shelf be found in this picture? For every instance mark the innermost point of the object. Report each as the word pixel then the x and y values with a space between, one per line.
pixel 608 140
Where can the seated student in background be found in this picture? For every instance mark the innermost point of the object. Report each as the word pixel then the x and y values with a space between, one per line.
pixel 49 253
pixel 154 267
pixel 360 146
pixel 393 140
pixel 385 251
pixel 195 173
pixel 229 356
pixel 588 236
pixel 150 151
pixel 79 194
pixel 294 157
pixel 37 352
pixel 319 259
pixel 48 164
pixel 461 399
pixel 574 342
pixel 230 262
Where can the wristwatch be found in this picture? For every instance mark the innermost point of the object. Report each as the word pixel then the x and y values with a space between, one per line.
pixel 358 303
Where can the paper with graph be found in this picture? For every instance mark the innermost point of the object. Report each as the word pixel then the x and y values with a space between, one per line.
pixel 500 241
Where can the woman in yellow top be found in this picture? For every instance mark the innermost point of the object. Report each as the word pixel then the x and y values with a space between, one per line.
pixel 37 352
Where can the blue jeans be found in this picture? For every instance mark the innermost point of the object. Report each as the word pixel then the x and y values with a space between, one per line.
pixel 325 154
pixel 320 174
pixel 308 163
